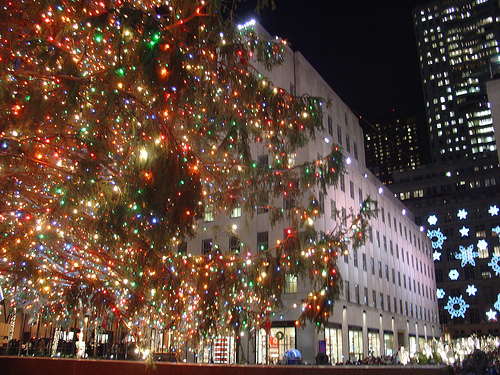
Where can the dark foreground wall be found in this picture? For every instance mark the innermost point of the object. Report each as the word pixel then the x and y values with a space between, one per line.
pixel 59 366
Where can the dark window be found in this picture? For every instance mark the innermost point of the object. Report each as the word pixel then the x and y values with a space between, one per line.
pixel 288 202
pixel 439 276
pixel 234 244
pixel 469 273
pixel 263 160
pixel 291 241
pixel 206 246
pixel 262 241
pixel 474 316
pixel 321 202
pixel 182 248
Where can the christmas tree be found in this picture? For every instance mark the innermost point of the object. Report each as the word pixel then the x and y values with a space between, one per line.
pixel 121 122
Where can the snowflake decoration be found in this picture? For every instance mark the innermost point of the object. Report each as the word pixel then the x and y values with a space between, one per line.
pixel 471 290
pixel 456 306
pixel 440 293
pixel 495 260
pixel 482 244
pixel 462 214
pixel 437 238
pixel 467 255
pixel 497 303
pixel 436 255
pixel 432 220
pixel 496 230
pixel 493 211
pixel 453 274
pixel 491 314
pixel 464 232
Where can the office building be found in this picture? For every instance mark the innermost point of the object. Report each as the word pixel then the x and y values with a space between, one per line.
pixel 393 142
pixel 455 199
pixel 458 204
pixel 388 297
pixel 455 41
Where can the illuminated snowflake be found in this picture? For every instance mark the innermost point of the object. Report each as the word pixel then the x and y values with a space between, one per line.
pixel 437 238
pixel 462 214
pixel 467 255
pixel 436 255
pixel 440 293
pixel 453 274
pixel 491 314
pixel 496 230
pixel 495 260
pixel 493 211
pixel 497 303
pixel 432 220
pixel 457 307
pixel 471 290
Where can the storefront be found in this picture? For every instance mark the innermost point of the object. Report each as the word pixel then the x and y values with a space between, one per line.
pixel 373 342
pixel 355 343
pixel 333 339
pixel 219 350
pixel 388 343
pixel 271 346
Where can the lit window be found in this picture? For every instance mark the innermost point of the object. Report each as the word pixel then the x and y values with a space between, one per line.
pixel 236 212
pixel 209 213
pixel 290 284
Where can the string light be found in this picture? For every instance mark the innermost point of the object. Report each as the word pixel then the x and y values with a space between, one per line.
pixel 123 124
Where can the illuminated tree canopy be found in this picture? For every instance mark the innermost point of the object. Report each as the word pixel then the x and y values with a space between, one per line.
pixel 120 122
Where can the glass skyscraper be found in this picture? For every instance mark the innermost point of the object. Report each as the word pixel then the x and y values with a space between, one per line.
pixel 456 40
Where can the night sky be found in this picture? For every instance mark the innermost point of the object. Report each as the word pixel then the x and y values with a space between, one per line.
pixel 364 49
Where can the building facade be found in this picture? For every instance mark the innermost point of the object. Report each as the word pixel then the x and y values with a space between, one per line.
pixel 458 204
pixel 388 298
pixel 455 41
pixel 393 143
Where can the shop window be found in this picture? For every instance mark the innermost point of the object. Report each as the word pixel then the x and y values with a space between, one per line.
pixel 388 344
pixel 272 346
pixel 355 344
pixel 333 338
pixel 373 343
pixel 218 350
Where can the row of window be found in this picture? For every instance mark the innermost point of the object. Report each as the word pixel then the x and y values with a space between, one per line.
pixel 420 312
pixel 461 185
pixel 416 284
pixel 483 253
pixel 467 273
pixel 340 140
